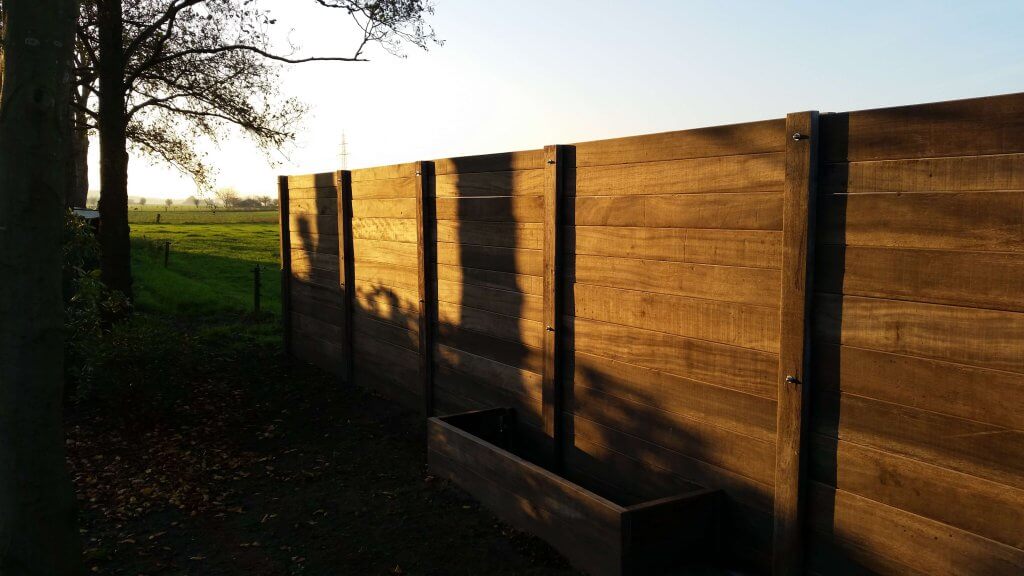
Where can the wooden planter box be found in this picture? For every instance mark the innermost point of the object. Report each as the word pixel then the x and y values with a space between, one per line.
pixel 475 451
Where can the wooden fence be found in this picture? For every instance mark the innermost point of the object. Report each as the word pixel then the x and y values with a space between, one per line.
pixel 822 316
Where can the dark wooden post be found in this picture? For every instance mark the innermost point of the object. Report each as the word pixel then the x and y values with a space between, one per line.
pixel 346 265
pixel 554 186
pixel 425 248
pixel 794 343
pixel 284 224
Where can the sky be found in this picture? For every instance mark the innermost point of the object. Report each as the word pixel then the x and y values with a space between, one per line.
pixel 516 75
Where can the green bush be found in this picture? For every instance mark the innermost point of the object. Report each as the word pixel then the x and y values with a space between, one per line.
pixel 89 307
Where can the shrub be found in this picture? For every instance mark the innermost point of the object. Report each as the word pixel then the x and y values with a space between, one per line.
pixel 89 307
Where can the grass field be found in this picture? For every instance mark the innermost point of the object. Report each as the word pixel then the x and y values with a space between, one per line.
pixel 210 268
pixel 201 215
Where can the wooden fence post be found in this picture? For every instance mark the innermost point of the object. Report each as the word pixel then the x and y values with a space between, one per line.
pixel 284 224
pixel 554 187
pixel 425 248
pixel 346 266
pixel 794 343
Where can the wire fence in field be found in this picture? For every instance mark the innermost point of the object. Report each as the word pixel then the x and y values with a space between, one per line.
pixel 201 216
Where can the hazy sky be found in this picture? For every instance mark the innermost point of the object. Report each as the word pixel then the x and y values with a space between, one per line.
pixel 521 74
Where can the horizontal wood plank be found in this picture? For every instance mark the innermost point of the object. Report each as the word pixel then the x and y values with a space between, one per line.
pixel 749 138
pixel 748 173
pixel 390 229
pixel 974 448
pixel 952 221
pixel 762 211
pixel 986 508
pixel 509 183
pixel 757 286
pixel 973 336
pixel 731 367
pixel 515 261
pixel 489 372
pixel 978 126
pixel 743 325
pixel 501 209
pixel 943 387
pixel 522 235
pixel 505 302
pixel 748 248
pixel 527 332
pixel 532 285
pixel 976 279
pixel 935 548
pixel 500 162
pixel 951 174
pixel 591 376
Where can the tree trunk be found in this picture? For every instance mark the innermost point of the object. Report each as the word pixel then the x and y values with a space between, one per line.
pixel 115 244
pixel 38 532
pixel 78 169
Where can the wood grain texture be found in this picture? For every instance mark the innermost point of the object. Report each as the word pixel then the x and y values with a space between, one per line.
pixel 323 206
pixel 943 387
pixel 504 302
pixel 386 252
pixel 973 336
pixel 523 235
pixel 494 209
pixel 974 279
pixel 303 224
pixel 974 127
pixel 952 174
pixel 761 211
pixel 478 184
pixel 532 285
pixel 985 508
pixel 389 208
pixel 513 260
pixel 500 162
pixel 321 180
pixel 406 170
pixel 594 376
pixel 510 328
pixel 748 248
pixel 932 547
pixel 983 450
pixel 936 220
pixel 740 369
pixel 747 173
pixel 751 138
pixel 756 286
pixel 489 373
pixel 794 387
pixel 755 327
pixel 384 189
pixel 390 229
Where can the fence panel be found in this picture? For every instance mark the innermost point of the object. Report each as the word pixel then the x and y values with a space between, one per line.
pixel 676 332
pixel 313 304
pixel 917 451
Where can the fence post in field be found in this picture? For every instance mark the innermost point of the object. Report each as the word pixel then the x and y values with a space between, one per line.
pixel 284 223
pixel 425 247
pixel 346 267
pixel 794 343
pixel 555 172
pixel 256 291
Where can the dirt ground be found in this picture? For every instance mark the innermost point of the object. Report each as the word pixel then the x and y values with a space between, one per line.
pixel 226 461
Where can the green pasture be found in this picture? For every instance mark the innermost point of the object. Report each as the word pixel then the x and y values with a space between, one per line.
pixel 209 270
pixel 201 215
